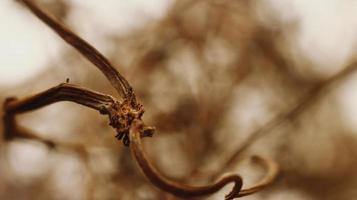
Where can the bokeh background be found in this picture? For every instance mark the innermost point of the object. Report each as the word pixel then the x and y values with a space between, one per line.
pixel 220 80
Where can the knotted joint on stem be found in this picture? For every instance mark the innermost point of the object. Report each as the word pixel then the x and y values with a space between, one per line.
pixel 62 92
pixel 121 116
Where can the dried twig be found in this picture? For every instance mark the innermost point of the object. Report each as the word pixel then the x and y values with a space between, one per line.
pixel 62 92
pixel 125 116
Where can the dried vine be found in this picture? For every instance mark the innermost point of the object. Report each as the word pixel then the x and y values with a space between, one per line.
pixel 125 117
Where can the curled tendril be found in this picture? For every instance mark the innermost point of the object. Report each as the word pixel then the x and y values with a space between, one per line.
pixel 187 191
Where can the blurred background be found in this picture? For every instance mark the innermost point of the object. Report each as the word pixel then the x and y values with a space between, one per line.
pixel 220 80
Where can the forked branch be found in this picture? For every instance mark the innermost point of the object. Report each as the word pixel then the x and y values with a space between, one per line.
pixel 125 116
pixel 62 92
pixel 106 104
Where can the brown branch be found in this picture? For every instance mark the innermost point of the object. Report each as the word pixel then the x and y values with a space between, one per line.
pixel 93 55
pixel 187 191
pixel 120 114
pixel 62 92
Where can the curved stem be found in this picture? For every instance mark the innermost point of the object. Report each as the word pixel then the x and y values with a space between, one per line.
pixel 172 187
pixel 187 191
pixel 272 169
pixel 87 50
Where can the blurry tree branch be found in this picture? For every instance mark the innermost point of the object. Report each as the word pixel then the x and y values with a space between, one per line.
pixel 311 97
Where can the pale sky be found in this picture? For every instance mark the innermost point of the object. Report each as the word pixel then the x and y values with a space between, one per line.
pixel 26 44
pixel 327 33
